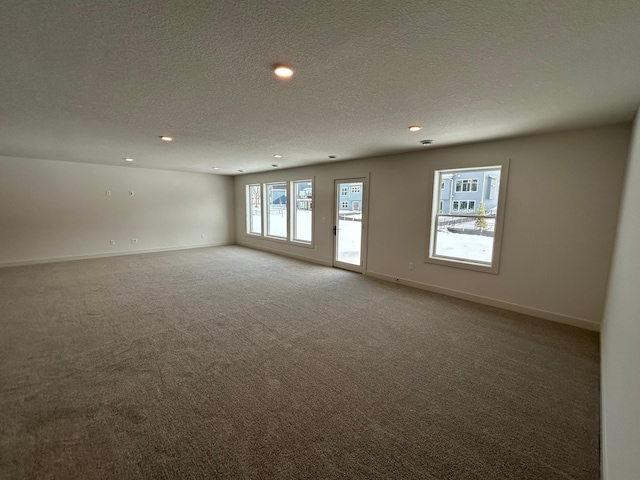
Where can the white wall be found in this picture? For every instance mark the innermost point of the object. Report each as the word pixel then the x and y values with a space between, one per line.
pixel 620 339
pixel 561 214
pixel 56 210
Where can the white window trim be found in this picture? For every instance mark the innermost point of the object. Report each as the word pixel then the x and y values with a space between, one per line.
pixel 267 207
pixel 264 213
pixel 294 207
pixel 434 184
pixel 248 206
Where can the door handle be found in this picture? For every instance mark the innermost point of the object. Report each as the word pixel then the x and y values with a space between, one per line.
pixel 334 230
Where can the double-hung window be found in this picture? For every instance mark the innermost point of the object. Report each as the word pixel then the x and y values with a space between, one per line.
pixel 466 220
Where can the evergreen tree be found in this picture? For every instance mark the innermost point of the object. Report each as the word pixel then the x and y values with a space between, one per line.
pixel 481 223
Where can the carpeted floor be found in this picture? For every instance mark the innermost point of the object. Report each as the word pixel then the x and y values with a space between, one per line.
pixel 233 363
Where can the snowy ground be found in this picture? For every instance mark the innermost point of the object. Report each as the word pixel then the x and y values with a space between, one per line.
pixel 471 247
pixel 465 246
pixel 349 240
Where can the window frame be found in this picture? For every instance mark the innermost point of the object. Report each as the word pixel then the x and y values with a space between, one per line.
pixel 436 170
pixel 249 209
pixel 291 208
pixel 266 210
pixel 294 211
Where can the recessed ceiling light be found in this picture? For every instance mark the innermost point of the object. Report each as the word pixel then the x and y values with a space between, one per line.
pixel 128 159
pixel 277 155
pixel 415 128
pixel 282 71
pixel 241 171
pixel 166 138
pixel 216 168
pixel 426 143
pixel 332 157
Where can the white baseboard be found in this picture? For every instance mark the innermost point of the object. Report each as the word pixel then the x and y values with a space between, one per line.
pixel 513 307
pixel 286 254
pixel 37 261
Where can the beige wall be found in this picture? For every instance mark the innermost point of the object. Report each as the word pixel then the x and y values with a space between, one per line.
pixel 54 210
pixel 561 214
pixel 620 338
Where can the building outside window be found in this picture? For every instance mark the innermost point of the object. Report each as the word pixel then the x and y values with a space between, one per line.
pixel 349 196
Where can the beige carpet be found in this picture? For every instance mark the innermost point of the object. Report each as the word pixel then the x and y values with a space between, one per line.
pixel 233 363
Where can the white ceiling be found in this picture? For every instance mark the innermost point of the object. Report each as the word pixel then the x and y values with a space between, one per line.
pixel 96 81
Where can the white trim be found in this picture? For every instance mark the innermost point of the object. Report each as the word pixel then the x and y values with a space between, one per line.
pixel 37 261
pixel 493 302
pixel 436 172
pixel 364 208
pixel 603 418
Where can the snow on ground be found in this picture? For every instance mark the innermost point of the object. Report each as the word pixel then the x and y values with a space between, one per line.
pixel 459 245
pixel 349 241
pixel 471 247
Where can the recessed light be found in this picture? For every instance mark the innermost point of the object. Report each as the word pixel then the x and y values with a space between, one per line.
pixel 415 128
pixel 166 138
pixel 216 168
pixel 241 171
pixel 277 155
pixel 426 143
pixel 282 71
pixel 332 157
pixel 128 159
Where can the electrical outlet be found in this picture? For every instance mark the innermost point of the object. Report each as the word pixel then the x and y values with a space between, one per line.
pixel 134 240
pixel 112 242
pixel 411 266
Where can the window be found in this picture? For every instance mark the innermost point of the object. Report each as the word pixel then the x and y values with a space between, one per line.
pixel 281 211
pixel 277 210
pixel 463 206
pixel 467 185
pixel 355 189
pixel 344 191
pixel 254 209
pixel 345 205
pixel 355 205
pixel 302 214
pixel 469 236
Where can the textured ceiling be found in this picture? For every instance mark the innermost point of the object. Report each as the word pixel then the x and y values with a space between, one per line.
pixel 96 81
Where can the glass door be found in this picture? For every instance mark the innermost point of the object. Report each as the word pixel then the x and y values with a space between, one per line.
pixel 349 224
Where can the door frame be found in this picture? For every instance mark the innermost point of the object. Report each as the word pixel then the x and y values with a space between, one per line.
pixel 364 206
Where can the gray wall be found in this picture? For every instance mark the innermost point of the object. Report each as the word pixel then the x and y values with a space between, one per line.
pixel 57 210
pixel 563 198
pixel 620 338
